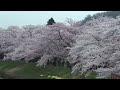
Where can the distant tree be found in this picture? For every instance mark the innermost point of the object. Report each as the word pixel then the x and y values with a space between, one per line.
pixel 87 18
pixel 112 14
pixel 51 21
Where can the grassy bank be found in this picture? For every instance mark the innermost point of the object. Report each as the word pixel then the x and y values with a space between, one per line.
pixel 22 70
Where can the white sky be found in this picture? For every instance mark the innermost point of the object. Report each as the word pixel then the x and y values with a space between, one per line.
pixel 21 18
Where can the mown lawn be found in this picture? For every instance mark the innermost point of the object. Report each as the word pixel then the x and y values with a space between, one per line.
pixel 22 70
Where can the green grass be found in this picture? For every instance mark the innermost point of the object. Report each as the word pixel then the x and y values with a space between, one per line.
pixel 22 70
pixel 30 71
pixel 85 75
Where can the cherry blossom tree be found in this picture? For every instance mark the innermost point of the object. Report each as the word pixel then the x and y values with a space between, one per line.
pixel 37 43
pixel 97 47
pixel 58 39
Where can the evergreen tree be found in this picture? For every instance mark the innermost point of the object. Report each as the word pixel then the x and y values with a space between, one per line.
pixel 51 21
pixel 87 18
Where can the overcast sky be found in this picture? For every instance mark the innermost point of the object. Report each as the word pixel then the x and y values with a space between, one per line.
pixel 20 18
